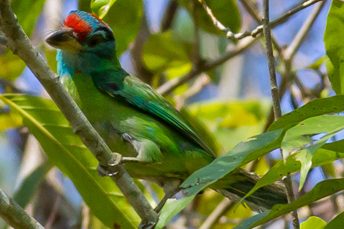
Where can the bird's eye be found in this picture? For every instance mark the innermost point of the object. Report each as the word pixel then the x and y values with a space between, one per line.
pixel 96 39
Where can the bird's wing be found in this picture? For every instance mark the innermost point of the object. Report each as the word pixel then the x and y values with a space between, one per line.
pixel 142 96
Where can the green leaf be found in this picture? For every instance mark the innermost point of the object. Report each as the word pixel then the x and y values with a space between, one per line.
pixel 14 65
pixel 29 186
pixel 298 139
pixel 243 153
pixel 28 13
pixel 231 121
pixel 65 150
pixel 335 49
pixel 101 7
pixel 227 12
pixel 171 52
pixel 314 108
pixel 328 153
pixel 321 190
pixel 313 222
pixel 336 223
pixel 10 120
pixel 171 208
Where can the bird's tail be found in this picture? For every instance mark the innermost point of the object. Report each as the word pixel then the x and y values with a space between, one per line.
pixel 237 185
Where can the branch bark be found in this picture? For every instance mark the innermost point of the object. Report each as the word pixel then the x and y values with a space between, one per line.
pixel 255 32
pixel 275 98
pixel 20 45
pixel 14 215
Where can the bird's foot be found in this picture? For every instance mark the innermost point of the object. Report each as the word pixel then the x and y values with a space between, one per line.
pixel 111 168
pixel 147 225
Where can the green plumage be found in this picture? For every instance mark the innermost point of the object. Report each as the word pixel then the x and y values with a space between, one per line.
pixel 133 119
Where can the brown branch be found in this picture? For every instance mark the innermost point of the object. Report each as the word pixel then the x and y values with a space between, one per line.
pixel 20 45
pixel 301 35
pixel 255 32
pixel 275 98
pixel 169 14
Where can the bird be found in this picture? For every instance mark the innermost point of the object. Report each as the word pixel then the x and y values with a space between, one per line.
pixel 134 120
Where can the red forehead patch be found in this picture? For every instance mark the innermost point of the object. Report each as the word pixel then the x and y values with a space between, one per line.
pixel 79 26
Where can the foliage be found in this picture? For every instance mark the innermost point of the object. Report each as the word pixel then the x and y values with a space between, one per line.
pixel 184 44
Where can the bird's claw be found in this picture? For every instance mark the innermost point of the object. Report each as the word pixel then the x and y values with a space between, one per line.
pixel 111 168
pixel 126 137
pixel 147 225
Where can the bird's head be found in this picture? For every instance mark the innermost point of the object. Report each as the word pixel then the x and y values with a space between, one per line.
pixel 83 32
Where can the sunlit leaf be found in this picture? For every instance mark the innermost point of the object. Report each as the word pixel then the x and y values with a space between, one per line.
pixel 314 108
pixel 231 121
pixel 171 208
pixel 101 7
pixel 313 222
pixel 335 49
pixel 14 65
pixel 327 154
pixel 65 150
pixel 321 190
pixel 299 139
pixel 163 51
pixel 10 120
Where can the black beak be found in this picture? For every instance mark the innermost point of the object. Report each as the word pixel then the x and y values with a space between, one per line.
pixel 63 39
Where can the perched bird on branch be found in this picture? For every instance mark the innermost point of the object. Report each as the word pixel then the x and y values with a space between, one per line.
pixel 157 143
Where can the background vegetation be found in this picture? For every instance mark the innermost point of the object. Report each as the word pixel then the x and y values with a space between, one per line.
pixel 210 59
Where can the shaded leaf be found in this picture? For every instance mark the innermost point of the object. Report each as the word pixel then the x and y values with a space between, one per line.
pixel 28 13
pixel 14 65
pixel 29 186
pixel 243 153
pixel 314 108
pixel 335 49
pixel 336 223
pixel 313 222
pixel 101 7
pixel 65 150
pixel 125 21
pixel 321 190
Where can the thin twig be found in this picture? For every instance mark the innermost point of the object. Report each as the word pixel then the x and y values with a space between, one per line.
pixel 215 215
pixel 275 98
pixel 14 215
pixel 255 32
pixel 169 86
pixel 301 35
pixel 20 45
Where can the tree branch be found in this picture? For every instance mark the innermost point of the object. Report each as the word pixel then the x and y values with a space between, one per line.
pixel 255 32
pixel 20 45
pixel 275 98
pixel 214 216
pixel 301 35
pixel 14 215
pixel 169 86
